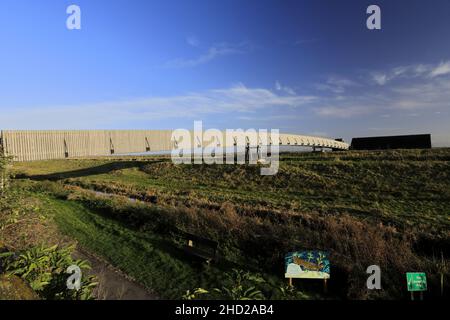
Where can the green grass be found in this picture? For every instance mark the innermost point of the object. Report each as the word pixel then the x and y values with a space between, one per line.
pixel 389 207
pixel 403 188
pixel 151 259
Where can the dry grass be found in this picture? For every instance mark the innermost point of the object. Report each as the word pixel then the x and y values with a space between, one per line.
pixel 23 224
pixel 252 238
pixel 386 208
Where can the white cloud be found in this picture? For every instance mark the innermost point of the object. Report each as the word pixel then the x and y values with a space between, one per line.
pixel 236 99
pixel 428 95
pixel 418 88
pixel 442 69
pixel 414 96
pixel 336 84
pixel 301 42
pixel 411 72
pixel 192 41
pixel 282 88
pixel 215 51
pixel 380 78
pixel 342 111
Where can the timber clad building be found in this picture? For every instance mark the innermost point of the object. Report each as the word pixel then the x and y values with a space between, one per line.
pixel 24 145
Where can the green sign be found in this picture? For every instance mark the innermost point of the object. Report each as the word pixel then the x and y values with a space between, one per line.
pixel 417 281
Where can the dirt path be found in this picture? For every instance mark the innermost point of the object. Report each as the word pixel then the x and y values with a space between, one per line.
pixel 113 284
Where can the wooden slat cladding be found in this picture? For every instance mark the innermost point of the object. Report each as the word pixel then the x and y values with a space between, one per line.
pixel 24 145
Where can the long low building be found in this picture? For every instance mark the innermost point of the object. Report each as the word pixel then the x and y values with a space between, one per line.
pixel 414 141
pixel 26 145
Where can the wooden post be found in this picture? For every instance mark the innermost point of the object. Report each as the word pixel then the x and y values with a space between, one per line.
pixel 290 282
pixel 443 268
pixel 247 154
pixel 66 150
pixel 111 145
pixel 412 295
pixel 325 287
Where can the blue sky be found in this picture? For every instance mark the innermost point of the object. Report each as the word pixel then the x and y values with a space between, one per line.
pixel 308 67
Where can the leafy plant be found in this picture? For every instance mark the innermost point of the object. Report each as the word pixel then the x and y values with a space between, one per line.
pixel 45 270
pixel 191 295
pixel 241 286
pixel 291 293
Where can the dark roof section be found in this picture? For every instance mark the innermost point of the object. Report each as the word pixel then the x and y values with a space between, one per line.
pixel 417 141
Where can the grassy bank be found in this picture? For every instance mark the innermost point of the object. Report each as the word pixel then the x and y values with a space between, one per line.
pixel 387 208
pixel 115 229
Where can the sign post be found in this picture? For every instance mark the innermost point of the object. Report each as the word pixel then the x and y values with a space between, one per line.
pixel 307 265
pixel 416 281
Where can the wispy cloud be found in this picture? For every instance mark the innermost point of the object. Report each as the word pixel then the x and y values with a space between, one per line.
pixel 342 111
pixel 214 52
pixel 286 89
pixel 301 42
pixel 237 99
pixel 192 40
pixel 380 78
pixel 411 89
pixel 336 84
pixel 411 72
pixel 442 69
pixel 414 92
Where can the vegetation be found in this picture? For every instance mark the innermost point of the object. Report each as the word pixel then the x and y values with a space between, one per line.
pixel 4 162
pixel 240 285
pixel 243 285
pixel 28 268
pixel 388 208
pixel 45 269
pixel 14 288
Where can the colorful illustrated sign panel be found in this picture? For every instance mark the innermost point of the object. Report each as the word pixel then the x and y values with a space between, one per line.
pixel 307 264
pixel 417 281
